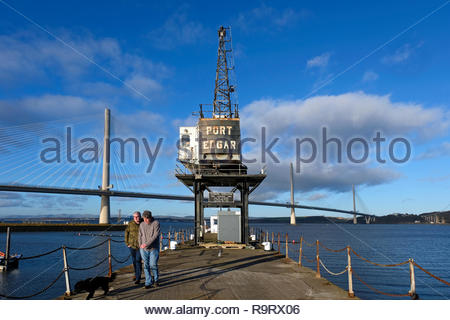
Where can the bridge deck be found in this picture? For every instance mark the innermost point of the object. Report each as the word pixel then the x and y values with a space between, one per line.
pixel 199 273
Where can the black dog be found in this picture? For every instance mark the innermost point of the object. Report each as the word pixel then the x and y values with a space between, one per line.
pixel 92 284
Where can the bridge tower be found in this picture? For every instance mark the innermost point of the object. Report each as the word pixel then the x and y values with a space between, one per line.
pixel 104 204
pixel 292 196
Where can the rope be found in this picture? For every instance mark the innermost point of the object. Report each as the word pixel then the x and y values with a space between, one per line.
pixel 379 264
pixel 331 250
pixel 307 260
pixel 87 268
pixel 35 294
pixel 309 244
pixel 378 291
pixel 430 274
pixel 121 261
pixel 332 273
pixel 39 255
pixel 88 248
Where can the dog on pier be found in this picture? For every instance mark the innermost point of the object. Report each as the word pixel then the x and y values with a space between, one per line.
pixel 92 284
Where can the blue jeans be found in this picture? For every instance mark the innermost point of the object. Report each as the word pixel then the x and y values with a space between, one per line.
pixel 137 262
pixel 150 265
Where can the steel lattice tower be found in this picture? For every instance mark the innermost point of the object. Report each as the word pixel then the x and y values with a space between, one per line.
pixel 222 92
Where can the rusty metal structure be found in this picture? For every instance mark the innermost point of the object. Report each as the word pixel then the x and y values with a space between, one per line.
pixel 211 151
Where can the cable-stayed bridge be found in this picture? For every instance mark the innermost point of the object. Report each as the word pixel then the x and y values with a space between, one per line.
pixel 45 157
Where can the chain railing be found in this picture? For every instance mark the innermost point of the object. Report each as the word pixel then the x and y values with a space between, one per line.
pixel 180 236
pixel 348 267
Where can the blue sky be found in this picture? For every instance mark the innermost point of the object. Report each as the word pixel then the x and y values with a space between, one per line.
pixel 352 67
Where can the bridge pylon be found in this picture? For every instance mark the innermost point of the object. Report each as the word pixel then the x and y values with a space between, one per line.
pixel 105 212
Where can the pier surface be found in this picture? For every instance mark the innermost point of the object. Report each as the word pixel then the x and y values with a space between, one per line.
pixel 200 273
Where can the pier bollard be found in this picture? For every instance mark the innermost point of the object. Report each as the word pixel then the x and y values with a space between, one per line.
pixel 66 272
pixel 109 258
pixel 318 259
pixel 349 272
pixel 300 252
pixel 278 243
pixel 287 246
pixel 412 291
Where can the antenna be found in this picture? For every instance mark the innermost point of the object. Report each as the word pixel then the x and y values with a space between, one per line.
pixel 222 105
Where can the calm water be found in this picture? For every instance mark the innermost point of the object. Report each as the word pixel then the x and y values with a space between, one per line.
pixel 427 244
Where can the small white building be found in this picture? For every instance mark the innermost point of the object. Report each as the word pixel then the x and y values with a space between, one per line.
pixel 213 222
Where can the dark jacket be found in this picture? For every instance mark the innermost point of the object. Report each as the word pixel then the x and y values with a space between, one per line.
pixel 132 235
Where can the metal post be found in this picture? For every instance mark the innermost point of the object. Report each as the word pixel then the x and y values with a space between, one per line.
pixel 66 272
pixel 8 244
pixel 355 221
pixel 109 258
pixel 301 251
pixel 287 245
pixel 412 291
pixel 318 259
pixel 278 243
pixel 104 205
pixel 244 213
pixel 292 196
pixel 349 272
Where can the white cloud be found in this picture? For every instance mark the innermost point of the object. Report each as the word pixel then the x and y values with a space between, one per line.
pixel 440 151
pixel 345 116
pixel 177 30
pixel 370 76
pixel 268 19
pixel 316 196
pixel 47 107
pixel 402 54
pixel 319 61
pixel 144 85
pixel 26 57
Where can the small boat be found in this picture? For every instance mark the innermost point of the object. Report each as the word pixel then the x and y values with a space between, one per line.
pixel 12 263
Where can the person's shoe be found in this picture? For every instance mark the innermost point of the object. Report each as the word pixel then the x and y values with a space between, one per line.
pixel 148 287
pixel 134 278
pixel 156 284
pixel 137 282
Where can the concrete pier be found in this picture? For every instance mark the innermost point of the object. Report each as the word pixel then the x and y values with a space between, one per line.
pixel 200 273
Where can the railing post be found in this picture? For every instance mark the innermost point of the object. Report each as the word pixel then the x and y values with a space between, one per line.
pixel 318 259
pixel 279 243
pixel 287 248
pixel 267 236
pixel 301 251
pixel 412 291
pixel 168 237
pixel 272 238
pixel 109 258
pixel 349 272
pixel 161 242
pixel 66 272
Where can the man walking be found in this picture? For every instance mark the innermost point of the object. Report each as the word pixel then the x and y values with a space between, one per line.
pixel 132 241
pixel 149 232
